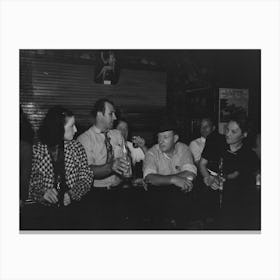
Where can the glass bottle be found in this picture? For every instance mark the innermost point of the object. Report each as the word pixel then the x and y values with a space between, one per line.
pixel 128 173
pixel 221 180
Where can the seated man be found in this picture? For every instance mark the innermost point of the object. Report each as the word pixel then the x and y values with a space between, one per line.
pixel 169 170
pixel 197 145
pixel 104 149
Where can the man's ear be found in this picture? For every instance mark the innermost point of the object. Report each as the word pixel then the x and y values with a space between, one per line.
pixel 245 134
pixel 99 114
pixel 214 127
pixel 176 138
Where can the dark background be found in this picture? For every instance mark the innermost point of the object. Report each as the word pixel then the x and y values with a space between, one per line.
pixel 183 83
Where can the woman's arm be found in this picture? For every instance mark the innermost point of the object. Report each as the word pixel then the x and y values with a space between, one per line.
pixel 208 179
pixel 36 187
pixel 84 176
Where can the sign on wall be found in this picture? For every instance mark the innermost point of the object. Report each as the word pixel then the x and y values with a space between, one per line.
pixel 232 101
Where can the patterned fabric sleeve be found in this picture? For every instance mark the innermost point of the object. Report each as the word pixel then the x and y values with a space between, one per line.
pixel 36 186
pixel 85 175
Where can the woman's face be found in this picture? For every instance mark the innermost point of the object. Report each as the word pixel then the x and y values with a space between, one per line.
pixel 123 128
pixel 234 134
pixel 69 128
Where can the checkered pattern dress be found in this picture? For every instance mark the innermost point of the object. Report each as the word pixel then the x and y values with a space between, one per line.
pixel 78 175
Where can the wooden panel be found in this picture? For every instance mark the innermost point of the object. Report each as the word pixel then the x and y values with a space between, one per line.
pixel 140 95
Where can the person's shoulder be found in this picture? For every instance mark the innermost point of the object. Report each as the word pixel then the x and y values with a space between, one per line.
pixel 216 138
pixel 194 142
pixel 182 146
pixel 85 134
pixel 154 150
pixel 214 135
pixel 39 148
pixel 249 157
pixel 74 144
pixel 247 151
pixel 115 133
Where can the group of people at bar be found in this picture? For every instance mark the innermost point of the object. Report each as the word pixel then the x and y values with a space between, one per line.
pixel 102 180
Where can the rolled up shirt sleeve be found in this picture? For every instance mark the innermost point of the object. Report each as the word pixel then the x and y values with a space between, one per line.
pixel 149 165
pixel 187 161
pixel 189 167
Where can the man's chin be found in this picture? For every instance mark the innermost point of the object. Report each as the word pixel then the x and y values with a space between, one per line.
pixel 162 149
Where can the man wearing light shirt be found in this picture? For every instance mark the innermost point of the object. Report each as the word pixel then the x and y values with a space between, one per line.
pixel 169 170
pixel 197 145
pixel 104 149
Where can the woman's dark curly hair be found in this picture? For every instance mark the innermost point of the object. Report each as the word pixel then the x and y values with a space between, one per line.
pixel 51 131
pixel 242 122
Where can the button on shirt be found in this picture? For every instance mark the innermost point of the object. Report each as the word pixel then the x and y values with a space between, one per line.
pixel 157 162
pixel 196 147
pixel 93 142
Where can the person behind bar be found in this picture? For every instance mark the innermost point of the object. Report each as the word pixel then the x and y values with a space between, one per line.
pixel 60 174
pixel 137 150
pixel 135 199
pixel 169 170
pixel 205 208
pixel 137 146
pixel 240 165
pixel 104 147
pixel 197 145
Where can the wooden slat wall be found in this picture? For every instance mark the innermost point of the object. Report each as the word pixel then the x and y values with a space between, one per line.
pixel 140 95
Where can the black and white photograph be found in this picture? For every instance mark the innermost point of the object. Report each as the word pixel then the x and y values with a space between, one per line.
pixel 144 151
pixel 139 139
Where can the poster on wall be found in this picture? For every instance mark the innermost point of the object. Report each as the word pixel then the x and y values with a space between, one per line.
pixel 232 101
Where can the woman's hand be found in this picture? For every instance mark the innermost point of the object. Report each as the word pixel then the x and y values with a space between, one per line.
pixel 66 199
pixel 51 196
pixel 212 182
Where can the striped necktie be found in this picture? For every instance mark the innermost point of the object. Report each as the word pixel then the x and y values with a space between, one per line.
pixel 109 148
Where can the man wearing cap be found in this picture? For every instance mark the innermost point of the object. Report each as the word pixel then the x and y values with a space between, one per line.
pixel 169 170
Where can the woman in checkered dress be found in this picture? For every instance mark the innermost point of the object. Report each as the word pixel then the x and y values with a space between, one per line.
pixel 60 172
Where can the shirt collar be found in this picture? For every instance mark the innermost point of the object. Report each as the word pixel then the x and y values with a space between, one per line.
pixel 235 152
pixel 97 130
